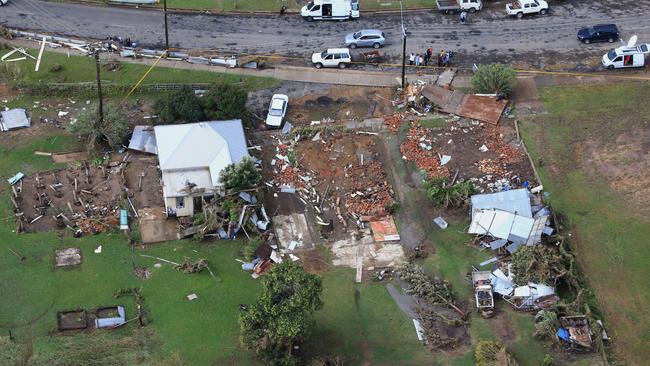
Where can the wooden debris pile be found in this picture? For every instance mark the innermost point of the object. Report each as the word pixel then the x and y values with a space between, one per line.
pixel 189 266
pixel 417 148
pixel 85 198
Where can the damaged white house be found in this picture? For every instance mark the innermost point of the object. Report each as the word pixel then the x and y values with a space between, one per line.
pixel 191 156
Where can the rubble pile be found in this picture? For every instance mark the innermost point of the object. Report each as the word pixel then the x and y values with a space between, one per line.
pixel 492 167
pixel 417 148
pixel 507 154
pixel 393 122
pixel 286 173
pixel 370 192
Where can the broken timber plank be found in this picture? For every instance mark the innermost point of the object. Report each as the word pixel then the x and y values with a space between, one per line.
pixel 40 55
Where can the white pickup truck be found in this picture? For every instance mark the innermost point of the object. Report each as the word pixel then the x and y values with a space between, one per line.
pixel 454 6
pixel 522 7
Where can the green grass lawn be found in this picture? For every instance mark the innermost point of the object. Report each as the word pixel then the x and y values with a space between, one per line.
pixel 358 322
pixel 79 69
pixel 609 230
pixel 362 323
pixel 435 122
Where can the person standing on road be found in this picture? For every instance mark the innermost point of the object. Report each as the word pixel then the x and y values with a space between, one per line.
pixel 411 58
pixel 417 59
pixel 426 58
pixel 421 60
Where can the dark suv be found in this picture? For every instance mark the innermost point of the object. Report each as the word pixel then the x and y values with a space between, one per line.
pixel 599 33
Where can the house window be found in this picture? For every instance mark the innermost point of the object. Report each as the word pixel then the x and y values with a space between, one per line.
pixel 180 202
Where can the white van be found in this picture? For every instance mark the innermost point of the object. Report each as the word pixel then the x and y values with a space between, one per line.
pixel 631 55
pixel 332 57
pixel 330 9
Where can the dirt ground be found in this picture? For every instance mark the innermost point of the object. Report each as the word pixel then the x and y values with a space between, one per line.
pixel 319 102
pixel 490 156
pixel 74 319
pixel 95 197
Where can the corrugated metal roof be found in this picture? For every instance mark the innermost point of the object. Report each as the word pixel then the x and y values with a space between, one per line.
pixel 516 201
pixel 14 118
pixel 209 145
pixel 143 139
pixel 507 225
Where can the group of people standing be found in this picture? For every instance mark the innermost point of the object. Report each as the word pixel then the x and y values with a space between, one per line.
pixel 425 59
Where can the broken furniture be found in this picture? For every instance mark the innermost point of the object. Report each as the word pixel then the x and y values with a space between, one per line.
pixel 574 330
pixel 482 283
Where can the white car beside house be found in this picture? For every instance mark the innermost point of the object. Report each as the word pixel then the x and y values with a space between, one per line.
pixel 332 57
pixel 277 110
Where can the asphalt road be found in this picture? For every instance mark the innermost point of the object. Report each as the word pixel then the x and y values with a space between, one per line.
pixel 492 36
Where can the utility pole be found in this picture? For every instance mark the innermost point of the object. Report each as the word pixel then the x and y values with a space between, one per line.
pixel 403 47
pixel 166 30
pixel 403 57
pixel 100 120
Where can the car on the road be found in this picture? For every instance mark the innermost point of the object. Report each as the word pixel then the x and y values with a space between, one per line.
pixel 599 33
pixel 277 110
pixel 3 2
pixel 520 8
pixel 365 38
pixel 332 57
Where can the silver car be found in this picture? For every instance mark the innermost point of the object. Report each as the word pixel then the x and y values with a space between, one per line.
pixel 365 38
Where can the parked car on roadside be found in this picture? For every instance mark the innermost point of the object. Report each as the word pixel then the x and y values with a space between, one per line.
pixel 277 110
pixel 520 8
pixel 332 57
pixel 457 6
pixel 631 55
pixel 599 33
pixel 365 38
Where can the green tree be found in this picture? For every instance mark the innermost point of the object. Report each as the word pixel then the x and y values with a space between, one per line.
pixel 225 101
pixel 443 195
pixel 113 130
pixel 279 317
pixel 240 176
pixel 180 106
pixel 493 79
